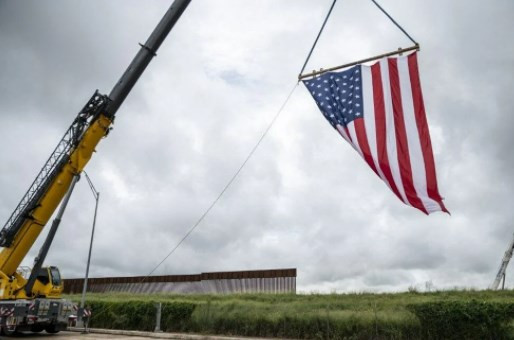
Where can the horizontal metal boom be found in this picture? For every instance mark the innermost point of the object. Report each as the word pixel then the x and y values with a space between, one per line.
pixel 399 51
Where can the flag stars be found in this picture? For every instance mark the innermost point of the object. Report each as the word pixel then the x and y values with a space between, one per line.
pixel 338 96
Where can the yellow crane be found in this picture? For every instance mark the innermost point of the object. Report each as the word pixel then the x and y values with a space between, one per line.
pixel 35 303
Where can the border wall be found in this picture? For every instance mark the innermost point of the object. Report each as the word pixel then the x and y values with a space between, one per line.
pixel 239 282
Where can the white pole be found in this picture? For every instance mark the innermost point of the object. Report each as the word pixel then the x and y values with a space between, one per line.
pixel 96 194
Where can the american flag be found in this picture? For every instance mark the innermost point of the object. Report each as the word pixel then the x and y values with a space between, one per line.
pixel 379 110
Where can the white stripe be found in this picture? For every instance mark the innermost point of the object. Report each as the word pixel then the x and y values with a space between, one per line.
pixel 342 132
pixel 353 135
pixel 413 140
pixel 392 154
pixel 369 118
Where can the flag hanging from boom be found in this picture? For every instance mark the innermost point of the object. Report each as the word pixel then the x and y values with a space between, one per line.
pixel 379 110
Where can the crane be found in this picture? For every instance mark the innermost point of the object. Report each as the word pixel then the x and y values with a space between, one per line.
pixel 503 266
pixel 35 303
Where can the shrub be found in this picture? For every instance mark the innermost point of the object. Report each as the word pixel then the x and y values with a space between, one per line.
pixel 139 315
pixel 464 319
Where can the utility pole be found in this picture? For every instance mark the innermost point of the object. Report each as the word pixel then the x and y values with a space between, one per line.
pixel 96 195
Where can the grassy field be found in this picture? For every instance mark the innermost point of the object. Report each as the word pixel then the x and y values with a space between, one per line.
pixel 412 315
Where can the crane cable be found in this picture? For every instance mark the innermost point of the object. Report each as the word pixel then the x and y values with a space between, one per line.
pixel 326 19
pixel 394 22
pixel 229 183
pixel 268 128
pixel 317 38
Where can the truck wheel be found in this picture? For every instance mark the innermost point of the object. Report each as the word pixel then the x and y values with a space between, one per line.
pixel 9 332
pixel 52 329
pixel 36 328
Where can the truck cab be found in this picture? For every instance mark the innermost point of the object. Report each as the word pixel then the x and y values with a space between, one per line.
pixel 48 283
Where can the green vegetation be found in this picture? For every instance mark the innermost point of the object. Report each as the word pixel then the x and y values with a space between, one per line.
pixel 412 315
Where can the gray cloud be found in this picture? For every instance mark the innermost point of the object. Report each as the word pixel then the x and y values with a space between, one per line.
pixel 306 199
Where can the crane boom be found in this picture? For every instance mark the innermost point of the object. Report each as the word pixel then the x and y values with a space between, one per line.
pixel 74 151
pixel 503 266
pixel 38 298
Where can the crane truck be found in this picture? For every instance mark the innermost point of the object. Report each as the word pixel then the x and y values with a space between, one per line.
pixel 34 302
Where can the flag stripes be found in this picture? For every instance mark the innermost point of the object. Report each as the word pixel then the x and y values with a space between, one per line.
pixel 391 133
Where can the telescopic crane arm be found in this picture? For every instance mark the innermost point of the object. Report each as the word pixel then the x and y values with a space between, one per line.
pixel 69 159
pixel 503 266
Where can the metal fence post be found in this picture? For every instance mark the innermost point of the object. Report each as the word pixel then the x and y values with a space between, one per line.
pixel 158 317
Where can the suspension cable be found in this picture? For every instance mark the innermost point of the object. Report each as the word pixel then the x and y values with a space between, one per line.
pixel 317 38
pixel 93 189
pixel 394 22
pixel 229 183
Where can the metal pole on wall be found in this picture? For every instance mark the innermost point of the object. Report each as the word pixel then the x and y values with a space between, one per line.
pixel 96 194
pixel 158 307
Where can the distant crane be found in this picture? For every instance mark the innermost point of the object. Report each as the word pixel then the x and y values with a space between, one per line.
pixel 503 267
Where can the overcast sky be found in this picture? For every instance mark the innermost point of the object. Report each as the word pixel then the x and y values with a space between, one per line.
pixel 306 199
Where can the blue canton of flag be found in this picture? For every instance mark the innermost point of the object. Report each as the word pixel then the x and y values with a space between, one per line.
pixel 338 95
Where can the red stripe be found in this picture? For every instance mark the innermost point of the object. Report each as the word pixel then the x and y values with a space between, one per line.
pixel 424 135
pixel 380 127
pixel 348 134
pixel 402 145
pixel 360 131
